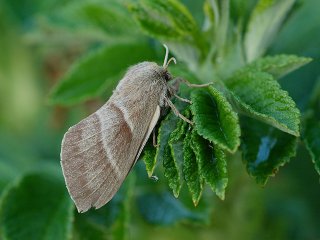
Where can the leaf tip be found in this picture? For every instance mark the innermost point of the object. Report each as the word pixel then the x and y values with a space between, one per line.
pixel 221 195
pixel 176 193
pixel 195 201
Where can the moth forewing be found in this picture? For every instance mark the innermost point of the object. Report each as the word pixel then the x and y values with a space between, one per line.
pixel 152 125
pixel 98 152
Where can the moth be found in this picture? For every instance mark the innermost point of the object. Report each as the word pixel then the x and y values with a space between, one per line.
pixel 98 152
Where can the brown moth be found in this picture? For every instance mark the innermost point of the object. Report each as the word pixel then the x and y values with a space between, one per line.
pixel 98 152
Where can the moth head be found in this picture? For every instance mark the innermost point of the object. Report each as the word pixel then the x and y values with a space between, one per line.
pixel 166 75
pixel 163 73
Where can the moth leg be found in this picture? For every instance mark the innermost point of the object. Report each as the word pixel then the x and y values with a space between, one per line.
pixel 182 99
pixel 176 84
pixel 154 139
pixel 179 80
pixel 173 92
pixel 176 112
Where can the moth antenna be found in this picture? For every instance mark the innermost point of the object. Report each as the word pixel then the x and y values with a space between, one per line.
pixel 166 56
pixel 170 60
pixel 166 62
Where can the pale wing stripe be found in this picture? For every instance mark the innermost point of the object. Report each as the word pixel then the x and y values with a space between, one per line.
pixel 153 122
pixel 112 161
pixel 108 193
pixel 113 168
pixel 92 135
pixel 125 114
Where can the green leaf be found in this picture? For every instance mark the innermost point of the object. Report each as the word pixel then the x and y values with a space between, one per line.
pixel 24 11
pixel 314 101
pixel 38 207
pixel 265 149
pixel 166 128
pixel 171 171
pixel 233 59
pixel 279 65
pixel 259 95
pixel 120 229
pixel 7 174
pixel 211 12
pixel 240 9
pixel 306 42
pixel 163 209
pixel 84 229
pixel 214 118
pixel 212 164
pixel 264 23
pixel 110 16
pixel 164 19
pixel 174 155
pixel 98 72
pixel 149 158
pixel 168 125
pixel 178 134
pixel 191 171
pixel 312 141
pixel 163 153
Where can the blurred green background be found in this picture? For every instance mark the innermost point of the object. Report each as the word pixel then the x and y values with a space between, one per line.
pixel 37 47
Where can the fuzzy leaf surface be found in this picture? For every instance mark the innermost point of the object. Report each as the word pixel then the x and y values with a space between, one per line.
pixel 176 150
pixel 163 153
pixel 214 118
pixel 279 65
pixel 212 164
pixel 120 229
pixel 85 228
pixel 191 171
pixel 258 94
pixel 171 171
pixel 164 19
pixel 149 158
pixel 168 125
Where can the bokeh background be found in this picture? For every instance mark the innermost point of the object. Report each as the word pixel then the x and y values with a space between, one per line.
pixel 36 49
